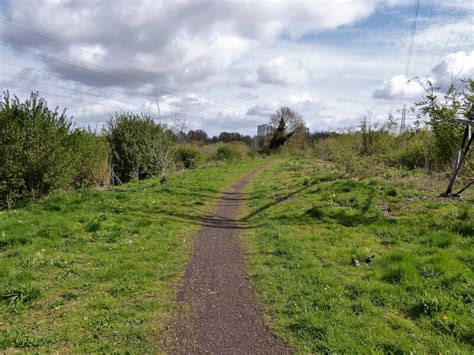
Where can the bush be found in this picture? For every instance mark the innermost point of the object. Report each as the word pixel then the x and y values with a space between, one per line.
pixel 227 153
pixel 440 112
pixel 188 157
pixel 35 148
pixel 91 166
pixel 412 150
pixel 139 147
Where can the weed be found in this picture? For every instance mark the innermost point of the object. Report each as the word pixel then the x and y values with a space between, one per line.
pixel 22 294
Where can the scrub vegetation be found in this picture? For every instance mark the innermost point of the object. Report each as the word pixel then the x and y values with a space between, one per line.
pixel 316 224
pixel 348 244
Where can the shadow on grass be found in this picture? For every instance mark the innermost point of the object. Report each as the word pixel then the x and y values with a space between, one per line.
pixel 277 201
pixel 207 219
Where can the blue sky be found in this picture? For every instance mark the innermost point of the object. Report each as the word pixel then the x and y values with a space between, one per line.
pixel 228 65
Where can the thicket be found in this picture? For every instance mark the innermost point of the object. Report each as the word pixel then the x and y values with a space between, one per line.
pixel 431 145
pixel 40 151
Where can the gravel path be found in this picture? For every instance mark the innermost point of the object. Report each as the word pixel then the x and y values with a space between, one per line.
pixel 220 316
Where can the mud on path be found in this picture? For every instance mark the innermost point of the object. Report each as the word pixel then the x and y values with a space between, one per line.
pixel 220 316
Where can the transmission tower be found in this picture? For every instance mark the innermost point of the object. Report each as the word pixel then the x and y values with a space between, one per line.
pixel 402 122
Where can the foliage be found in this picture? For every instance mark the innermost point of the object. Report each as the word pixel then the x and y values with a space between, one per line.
pixel 91 159
pixel 411 150
pixel 227 153
pixel 285 123
pixel 188 157
pixel 441 113
pixel 35 148
pixel 196 136
pixel 209 151
pixel 140 148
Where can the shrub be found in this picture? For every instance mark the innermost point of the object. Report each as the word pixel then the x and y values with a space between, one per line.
pixel 91 159
pixel 35 148
pixel 441 112
pixel 227 153
pixel 140 148
pixel 188 157
pixel 412 150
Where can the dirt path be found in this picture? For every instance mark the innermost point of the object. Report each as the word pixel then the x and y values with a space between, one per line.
pixel 221 317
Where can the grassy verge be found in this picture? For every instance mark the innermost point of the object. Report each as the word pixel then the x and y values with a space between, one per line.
pixel 97 270
pixel 416 295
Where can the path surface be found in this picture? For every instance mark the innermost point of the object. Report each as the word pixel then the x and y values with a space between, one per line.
pixel 221 317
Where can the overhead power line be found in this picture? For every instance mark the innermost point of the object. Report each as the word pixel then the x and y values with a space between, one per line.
pixel 65 96
pixel 66 88
pixel 148 73
pixel 412 35
pixel 407 68
pixel 89 70
pixel 456 20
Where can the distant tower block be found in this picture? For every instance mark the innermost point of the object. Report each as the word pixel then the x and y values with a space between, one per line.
pixel 402 122
pixel 264 130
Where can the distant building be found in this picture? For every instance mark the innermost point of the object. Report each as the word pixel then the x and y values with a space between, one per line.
pixel 264 130
pixel 306 130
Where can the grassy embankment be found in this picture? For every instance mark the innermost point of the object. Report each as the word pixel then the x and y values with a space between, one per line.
pixel 416 295
pixel 94 271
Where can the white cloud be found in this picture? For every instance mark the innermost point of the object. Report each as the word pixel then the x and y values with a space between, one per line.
pixel 397 87
pixel 453 67
pixel 304 97
pixel 282 70
pixel 211 61
pixel 186 41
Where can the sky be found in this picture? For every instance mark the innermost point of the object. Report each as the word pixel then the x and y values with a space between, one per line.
pixel 228 65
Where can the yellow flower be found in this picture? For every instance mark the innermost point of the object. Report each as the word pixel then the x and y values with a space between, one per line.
pixel 445 317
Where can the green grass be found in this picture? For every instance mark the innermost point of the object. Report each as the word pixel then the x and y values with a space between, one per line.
pixel 416 295
pixel 97 271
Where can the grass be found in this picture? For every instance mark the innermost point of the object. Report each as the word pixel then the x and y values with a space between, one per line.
pixel 96 271
pixel 416 295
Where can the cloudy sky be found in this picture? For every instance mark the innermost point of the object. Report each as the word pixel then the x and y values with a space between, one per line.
pixel 227 65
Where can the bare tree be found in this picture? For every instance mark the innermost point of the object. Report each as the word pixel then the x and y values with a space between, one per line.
pixel 292 120
pixel 286 123
pixel 164 149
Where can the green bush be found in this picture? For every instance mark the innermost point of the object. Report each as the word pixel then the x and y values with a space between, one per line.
pixel 35 148
pixel 412 150
pixel 91 159
pixel 188 157
pixel 227 153
pixel 140 148
pixel 440 113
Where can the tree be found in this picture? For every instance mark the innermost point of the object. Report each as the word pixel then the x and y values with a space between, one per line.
pixel 164 150
pixel 441 110
pixel 285 123
pixel 197 136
